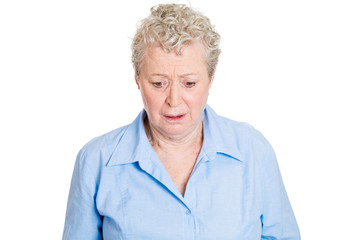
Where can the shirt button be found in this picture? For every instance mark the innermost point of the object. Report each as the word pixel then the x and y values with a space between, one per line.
pixel 187 212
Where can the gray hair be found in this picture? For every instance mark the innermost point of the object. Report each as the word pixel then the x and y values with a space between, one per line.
pixel 173 26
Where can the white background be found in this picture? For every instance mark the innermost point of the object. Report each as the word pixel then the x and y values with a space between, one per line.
pixel 289 68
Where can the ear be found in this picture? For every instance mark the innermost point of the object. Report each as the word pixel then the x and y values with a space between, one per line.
pixel 137 81
pixel 212 77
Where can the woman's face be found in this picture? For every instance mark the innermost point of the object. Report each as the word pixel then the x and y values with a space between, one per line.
pixel 174 89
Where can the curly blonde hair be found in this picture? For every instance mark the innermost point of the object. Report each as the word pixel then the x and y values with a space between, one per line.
pixel 173 26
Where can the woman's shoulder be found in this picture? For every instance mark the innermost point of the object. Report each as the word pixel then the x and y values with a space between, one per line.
pixel 244 135
pixel 245 139
pixel 245 131
pixel 239 130
pixel 98 150
pixel 106 139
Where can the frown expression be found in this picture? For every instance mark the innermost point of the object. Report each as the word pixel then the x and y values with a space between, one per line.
pixel 174 89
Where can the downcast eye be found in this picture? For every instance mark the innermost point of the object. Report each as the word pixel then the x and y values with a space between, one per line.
pixel 158 84
pixel 190 84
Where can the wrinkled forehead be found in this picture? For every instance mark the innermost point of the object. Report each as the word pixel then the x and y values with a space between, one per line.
pixel 191 59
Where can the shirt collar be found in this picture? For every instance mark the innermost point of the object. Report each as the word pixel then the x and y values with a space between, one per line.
pixel 219 136
pixel 134 145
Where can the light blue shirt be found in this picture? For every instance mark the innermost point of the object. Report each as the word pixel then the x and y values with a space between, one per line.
pixel 121 190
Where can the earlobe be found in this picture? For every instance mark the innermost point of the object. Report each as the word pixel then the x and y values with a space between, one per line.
pixel 211 81
pixel 137 81
pixel 212 77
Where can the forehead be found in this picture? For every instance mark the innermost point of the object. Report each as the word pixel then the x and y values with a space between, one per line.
pixel 191 59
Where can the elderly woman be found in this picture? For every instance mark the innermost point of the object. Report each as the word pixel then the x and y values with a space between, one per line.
pixel 179 171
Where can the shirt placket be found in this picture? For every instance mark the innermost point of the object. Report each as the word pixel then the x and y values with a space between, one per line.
pixel 191 224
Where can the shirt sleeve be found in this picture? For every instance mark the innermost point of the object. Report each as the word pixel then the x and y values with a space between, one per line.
pixel 278 220
pixel 82 218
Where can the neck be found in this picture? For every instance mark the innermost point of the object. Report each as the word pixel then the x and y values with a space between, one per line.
pixel 173 143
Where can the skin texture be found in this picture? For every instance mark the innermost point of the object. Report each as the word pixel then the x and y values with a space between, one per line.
pixel 174 89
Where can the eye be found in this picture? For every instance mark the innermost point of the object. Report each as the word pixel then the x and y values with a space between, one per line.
pixel 158 84
pixel 190 84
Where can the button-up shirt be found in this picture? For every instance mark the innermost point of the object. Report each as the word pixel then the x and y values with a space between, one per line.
pixel 121 190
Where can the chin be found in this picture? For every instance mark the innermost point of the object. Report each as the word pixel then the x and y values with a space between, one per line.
pixel 175 130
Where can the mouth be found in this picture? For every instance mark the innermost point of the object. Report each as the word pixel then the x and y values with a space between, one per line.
pixel 175 117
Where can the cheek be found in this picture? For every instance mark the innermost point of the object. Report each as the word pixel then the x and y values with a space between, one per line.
pixel 197 100
pixel 151 100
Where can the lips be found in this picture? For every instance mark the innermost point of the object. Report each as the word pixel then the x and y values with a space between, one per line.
pixel 174 117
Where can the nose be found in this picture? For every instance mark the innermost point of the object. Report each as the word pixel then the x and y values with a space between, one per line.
pixel 174 95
